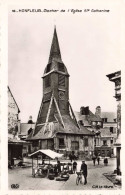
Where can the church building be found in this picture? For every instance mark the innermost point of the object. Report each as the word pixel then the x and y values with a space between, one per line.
pixel 56 126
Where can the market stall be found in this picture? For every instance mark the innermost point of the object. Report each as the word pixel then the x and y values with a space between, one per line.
pixel 45 169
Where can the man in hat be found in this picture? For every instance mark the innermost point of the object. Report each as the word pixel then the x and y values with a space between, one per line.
pixel 84 170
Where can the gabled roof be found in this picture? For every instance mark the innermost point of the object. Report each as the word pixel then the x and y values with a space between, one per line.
pixel 48 153
pixel 13 99
pixel 114 75
pixel 70 128
pixel 83 118
pixel 88 118
pixel 109 115
pixel 94 117
pixel 14 140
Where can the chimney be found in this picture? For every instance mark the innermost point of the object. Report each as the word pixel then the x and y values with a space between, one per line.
pixel 87 110
pixel 84 110
pixel 98 111
pixel 30 120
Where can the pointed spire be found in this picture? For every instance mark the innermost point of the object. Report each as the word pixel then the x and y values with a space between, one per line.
pixel 55 50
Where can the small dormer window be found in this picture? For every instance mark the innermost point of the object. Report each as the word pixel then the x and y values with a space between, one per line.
pixel 104 120
pixel 48 68
pixel 81 122
pixel 93 123
pixel 61 67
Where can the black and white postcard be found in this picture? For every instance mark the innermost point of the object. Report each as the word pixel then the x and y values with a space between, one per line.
pixel 61 129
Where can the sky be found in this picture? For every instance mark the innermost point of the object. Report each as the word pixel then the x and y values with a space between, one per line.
pixel 90 47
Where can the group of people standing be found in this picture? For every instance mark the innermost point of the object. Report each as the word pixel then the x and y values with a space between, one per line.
pixel 94 158
pixel 98 158
pixel 83 168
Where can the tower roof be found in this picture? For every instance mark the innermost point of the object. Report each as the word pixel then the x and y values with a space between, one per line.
pixel 55 50
pixel 55 62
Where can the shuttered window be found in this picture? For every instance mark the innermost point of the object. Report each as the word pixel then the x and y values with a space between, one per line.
pixel 47 81
pixel 61 80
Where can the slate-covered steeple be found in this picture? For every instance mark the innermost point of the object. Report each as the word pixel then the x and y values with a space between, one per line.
pixel 55 50
pixel 55 108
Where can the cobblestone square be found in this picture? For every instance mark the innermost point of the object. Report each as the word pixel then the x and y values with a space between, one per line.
pixel 96 179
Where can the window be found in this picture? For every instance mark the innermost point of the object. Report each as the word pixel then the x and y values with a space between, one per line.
pixel 104 120
pixel 111 141
pixel 61 67
pixel 93 123
pixel 86 152
pixel 75 145
pixel 103 152
pixel 50 144
pixel 48 68
pixel 99 123
pixel 61 80
pixel 95 142
pixel 105 142
pixel 47 81
pixel 111 129
pixel 86 142
pixel 47 96
pixel 35 144
pixel 61 142
pixel 81 122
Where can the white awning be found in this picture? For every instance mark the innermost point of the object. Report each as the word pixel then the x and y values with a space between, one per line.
pixel 48 153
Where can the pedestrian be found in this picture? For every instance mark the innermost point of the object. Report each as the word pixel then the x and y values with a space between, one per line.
pixel 98 159
pixel 74 166
pixel 43 162
pixel 84 171
pixel 94 158
pixel 58 166
pixel 105 161
pixel 70 157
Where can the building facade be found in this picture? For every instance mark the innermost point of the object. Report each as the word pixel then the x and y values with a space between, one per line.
pixel 108 135
pixel 116 78
pixel 15 145
pixel 103 125
pixel 56 126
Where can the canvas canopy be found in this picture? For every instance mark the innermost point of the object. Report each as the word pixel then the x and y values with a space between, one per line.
pixel 48 153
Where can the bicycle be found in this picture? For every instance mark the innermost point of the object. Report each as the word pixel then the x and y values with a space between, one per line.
pixel 79 178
